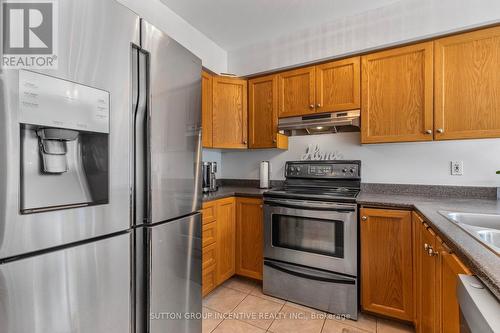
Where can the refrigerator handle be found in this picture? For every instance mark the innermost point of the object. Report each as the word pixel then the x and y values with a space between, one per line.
pixel 140 136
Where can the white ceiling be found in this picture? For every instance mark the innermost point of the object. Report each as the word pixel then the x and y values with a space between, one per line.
pixel 235 23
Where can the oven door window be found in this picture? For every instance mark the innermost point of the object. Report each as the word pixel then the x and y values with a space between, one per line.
pixel 308 234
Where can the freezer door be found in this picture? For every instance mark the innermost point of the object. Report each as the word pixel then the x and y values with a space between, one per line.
pixel 95 39
pixel 175 273
pixel 175 126
pixel 80 289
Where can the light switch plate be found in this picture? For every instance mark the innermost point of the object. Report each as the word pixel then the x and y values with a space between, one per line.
pixel 457 168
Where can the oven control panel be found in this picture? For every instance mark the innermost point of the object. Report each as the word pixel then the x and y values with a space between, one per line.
pixel 323 169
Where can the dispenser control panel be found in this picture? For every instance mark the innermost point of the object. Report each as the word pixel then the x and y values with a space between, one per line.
pixel 52 102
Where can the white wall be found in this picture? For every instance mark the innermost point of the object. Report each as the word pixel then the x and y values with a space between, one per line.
pixel 401 163
pixel 156 13
pixel 403 21
pixel 213 155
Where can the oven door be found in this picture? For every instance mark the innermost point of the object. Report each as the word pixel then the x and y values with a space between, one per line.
pixel 312 233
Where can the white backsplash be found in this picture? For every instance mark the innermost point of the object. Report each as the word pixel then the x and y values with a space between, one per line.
pixel 399 163
pixel 213 155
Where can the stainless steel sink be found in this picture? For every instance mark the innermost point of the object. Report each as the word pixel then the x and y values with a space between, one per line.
pixel 484 227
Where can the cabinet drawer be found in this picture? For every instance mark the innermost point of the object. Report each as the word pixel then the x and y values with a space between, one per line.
pixel 209 212
pixel 209 255
pixel 209 280
pixel 209 233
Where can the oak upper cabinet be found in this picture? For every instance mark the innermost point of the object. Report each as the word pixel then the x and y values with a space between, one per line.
pixel 249 237
pixel 386 263
pixel 449 267
pixel 229 113
pixel 263 114
pixel 397 95
pixel 296 92
pixel 338 85
pixel 206 108
pixel 467 87
pixel 226 245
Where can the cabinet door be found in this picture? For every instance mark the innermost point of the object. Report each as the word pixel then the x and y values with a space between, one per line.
pixel 296 92
pixel 449 268
pixel 417 223
pixel 338 85
pixel 397 95
pixel 386 263
pixel 249 237
pixel 427 313
pixel 206 109
pixel 263 112
pixel 229 113
pixel 226 230
pixel 467 96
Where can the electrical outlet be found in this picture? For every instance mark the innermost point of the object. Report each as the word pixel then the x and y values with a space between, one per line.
pixel 457 168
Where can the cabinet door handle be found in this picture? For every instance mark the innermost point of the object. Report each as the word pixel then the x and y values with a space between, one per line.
pixel 318 105
pixel 440 130
pixel 428 132
pixel 364 218
pixel 431 252
pixel 311 106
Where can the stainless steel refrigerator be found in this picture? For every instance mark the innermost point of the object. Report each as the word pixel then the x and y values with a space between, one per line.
pixel 100 181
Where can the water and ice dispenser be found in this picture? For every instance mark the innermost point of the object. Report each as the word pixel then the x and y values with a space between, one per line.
pixel 64 138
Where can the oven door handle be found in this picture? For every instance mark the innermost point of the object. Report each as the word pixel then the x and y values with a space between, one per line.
pixel 312 207
pixel 308 276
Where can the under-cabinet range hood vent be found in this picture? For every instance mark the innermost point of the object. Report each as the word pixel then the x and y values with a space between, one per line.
pixel 325 123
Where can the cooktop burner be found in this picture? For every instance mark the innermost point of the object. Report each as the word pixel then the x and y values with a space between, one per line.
pixel 320 180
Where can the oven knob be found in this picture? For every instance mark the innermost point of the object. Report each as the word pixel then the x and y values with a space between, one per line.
pixel 292 169
pixel 352 171
pixel 298 169
pixel 344 170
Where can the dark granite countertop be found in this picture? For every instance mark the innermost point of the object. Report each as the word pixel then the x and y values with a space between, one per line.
pixel 234 191
pixel 482 261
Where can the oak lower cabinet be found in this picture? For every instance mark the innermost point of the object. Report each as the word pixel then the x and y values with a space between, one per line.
pixel 229 113
pixel 386 263
pixel 249 237
pixel 397 95
pixel 209 247
pixel 437 270
pixel 263 114
pixel 218 241
pixel 226 242
pixel 467 89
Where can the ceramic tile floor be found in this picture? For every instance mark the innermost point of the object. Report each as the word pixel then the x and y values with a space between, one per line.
pixel 238 306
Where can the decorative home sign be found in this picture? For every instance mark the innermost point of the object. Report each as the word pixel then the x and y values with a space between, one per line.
pixel 313 153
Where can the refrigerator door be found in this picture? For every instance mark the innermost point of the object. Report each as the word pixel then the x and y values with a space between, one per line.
pixel 95 39
pixel 175 276
pixel 85 288
pixel 175 126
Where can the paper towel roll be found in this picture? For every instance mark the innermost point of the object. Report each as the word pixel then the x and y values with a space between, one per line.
pixel 264 174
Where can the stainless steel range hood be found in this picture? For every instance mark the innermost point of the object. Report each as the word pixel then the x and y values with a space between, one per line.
pixel 325 123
